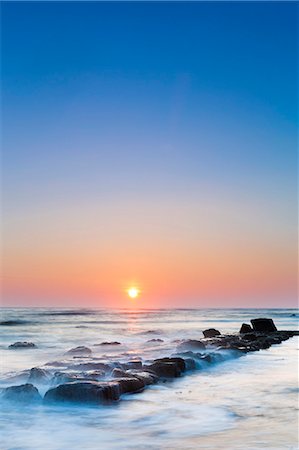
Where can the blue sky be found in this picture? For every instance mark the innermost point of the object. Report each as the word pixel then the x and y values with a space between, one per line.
pixel 150 103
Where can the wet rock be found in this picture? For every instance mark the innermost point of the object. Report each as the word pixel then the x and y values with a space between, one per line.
pixel 91 366
pixel 84 392
pixel 118 373
pixel 190 364
pixel 263 325
pixel 24 393
pixel 155 340
pixel 245 328
pixel 22 345
pixel 168 367
pixel 134 364
pixel 211 332
pixel 146 377
pixel 130 385
pixel 81 350
pixel 38 375
pixel 109 343
pixel 191 344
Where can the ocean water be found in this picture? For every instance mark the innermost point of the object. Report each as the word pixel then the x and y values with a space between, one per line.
pixel 247 402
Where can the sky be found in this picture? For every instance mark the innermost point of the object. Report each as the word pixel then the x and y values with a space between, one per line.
pixel 150 145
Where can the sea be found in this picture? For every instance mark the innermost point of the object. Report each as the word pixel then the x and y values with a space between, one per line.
pixel 246 402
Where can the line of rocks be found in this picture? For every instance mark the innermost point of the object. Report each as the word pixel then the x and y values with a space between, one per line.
pixel 133 377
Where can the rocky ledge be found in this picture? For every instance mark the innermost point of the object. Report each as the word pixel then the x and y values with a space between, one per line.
pixel 106 384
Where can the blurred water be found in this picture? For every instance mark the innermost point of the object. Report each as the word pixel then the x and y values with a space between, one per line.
pixel 242 403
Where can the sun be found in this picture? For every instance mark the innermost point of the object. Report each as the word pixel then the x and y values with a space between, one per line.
pixel 133 292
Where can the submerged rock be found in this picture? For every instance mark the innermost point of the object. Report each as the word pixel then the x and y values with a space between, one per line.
pixel 191 344
pixel 155 340
pixel 38 375
pixel 245 328
pixel 211 332
pixel 84 392
pixel 24 393
pixel 263 325
pixel 81 350
pixel 22 345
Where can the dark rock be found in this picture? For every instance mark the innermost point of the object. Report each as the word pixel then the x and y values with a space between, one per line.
pixel 146 377
pixel 109 343
pixel 168 367
pixel 155 340
pixel 38 375
pixel 263 325
pixel 81 350
pixel 190 364
pixel 250 337
pixel 22 345
pixel 24 393
pixel 119 373
pixel 191 344
pixel 245 328
pixel 134 364
pixel 84 392
pixel 211 332
pixel 130 385
pixel 62 377
pixel 91 366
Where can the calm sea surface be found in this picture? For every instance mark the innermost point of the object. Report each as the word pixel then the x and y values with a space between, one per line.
pixel 247 402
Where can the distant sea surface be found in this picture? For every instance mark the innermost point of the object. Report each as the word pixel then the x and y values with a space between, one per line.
pixel 241 403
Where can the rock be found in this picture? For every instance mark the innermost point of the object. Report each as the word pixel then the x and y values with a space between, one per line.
pixel 109 343
pixel 130 385
pixel 38 375
pixel 191 344
pixel 146 377
pixel 245 328
pixel 90 366
pixel 263 325
pixel 22 345
pixel 23 393
pixel 81 350
pixel 250 337
pixel 155 340
pixel 84 392
pixel 211 332
pixel 134 364
pixel 118 373
pixel 190 364
pixel 168 367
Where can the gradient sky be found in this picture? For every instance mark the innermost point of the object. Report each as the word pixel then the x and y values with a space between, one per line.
pixel 152 144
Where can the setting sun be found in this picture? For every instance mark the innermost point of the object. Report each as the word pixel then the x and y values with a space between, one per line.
pixel 133 292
